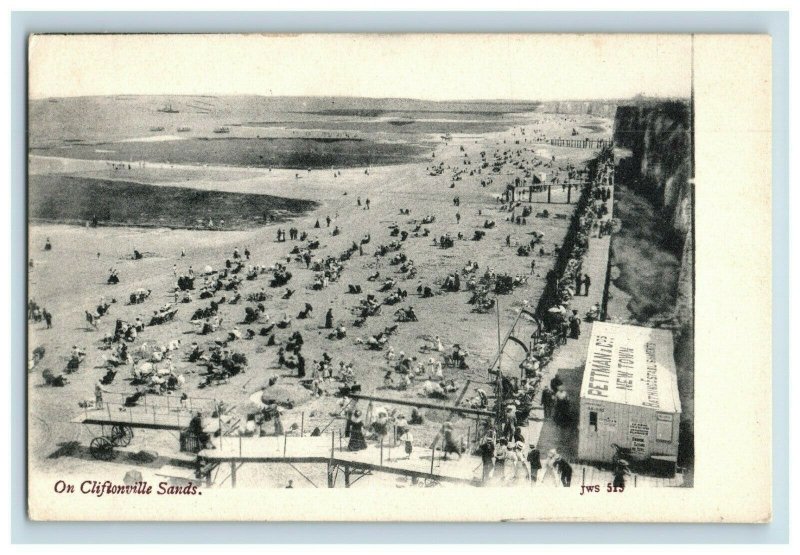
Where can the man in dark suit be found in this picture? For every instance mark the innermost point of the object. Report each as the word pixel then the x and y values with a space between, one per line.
pixel 565 470
pixel 535 460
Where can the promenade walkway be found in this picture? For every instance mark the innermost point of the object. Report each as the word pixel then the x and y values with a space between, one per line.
pixel 568 362
pixel 331 450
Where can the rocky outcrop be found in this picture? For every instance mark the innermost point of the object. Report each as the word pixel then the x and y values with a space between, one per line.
pixel 659 139
pixel 659 167
pixel 658 136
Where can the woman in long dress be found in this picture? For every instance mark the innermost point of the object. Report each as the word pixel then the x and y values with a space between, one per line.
pixel 550 476
pixel 278 423
pixel 561 414
pixel 357 441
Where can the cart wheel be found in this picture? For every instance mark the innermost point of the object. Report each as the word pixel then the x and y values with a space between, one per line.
pixel 122 435
pixel 102 448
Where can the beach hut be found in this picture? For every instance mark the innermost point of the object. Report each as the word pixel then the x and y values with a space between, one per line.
pixel 629 396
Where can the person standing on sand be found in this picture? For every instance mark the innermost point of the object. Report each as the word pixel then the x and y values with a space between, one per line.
pixel 519 460
pixel 358 201
pixel 500 456
pixel 574 325
pixel 400 426
pixel 277 422
pixel 98 394
pixel 556 383
pixel 564 470
pixel 548 400
pixel 587 281
pixel 534 458
pixel 328 220
pixel 367 203
pixel 561 415
pixel 407 440
pixel 487 456
pixel 549 467
pixel 348 416
pixel 620 471
pixel 533 265
pixel 357 441
pixel 329 319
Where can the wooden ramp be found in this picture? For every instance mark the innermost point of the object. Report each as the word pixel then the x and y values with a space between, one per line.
pixel 139 418
pixel 149 418
pixel 332 452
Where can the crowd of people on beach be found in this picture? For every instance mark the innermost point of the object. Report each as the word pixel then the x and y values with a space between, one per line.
pixel 156 367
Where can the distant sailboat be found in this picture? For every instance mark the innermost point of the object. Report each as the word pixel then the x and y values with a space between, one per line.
pixel 155 129
pixel 222 130
pixel 168 109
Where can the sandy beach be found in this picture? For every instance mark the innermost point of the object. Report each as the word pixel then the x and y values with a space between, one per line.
pixel 71 277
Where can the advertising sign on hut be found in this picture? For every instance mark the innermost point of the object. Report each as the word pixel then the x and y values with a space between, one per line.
pixel 629 395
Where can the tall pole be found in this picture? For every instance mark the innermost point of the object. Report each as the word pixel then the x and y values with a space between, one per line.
pixel 499 363
pixel 499 346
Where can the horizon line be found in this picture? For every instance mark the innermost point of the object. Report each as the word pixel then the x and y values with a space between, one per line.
pixel 257 95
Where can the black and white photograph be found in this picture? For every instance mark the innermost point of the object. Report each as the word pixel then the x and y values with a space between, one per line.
pixel 392 263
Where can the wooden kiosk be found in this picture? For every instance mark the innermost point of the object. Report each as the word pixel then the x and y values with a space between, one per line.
pixel 629 396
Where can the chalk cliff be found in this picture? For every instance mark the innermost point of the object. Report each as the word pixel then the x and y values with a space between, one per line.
pixel 658 136
pixel 603 108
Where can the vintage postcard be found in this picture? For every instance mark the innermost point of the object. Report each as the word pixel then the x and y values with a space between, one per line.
pixel 399 277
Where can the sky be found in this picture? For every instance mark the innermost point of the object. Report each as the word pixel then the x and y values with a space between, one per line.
pixel 431 67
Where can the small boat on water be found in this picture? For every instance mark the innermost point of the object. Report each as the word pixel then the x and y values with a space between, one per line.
pixel 168 109
pixel 156 129
pixel 222 130
pixel 184 129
